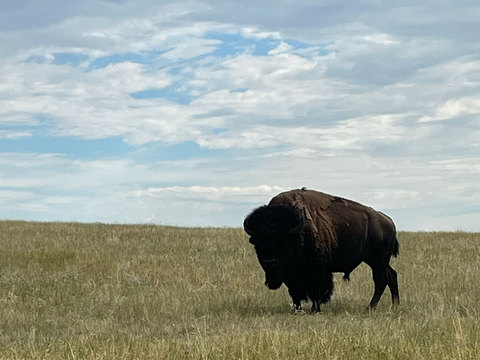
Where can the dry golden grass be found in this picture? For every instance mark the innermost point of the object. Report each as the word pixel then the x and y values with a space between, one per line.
pixel 123 292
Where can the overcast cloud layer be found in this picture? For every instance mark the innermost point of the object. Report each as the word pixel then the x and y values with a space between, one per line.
pixel 195 112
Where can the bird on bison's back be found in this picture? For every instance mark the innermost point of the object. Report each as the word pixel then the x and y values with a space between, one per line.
pixel 303 236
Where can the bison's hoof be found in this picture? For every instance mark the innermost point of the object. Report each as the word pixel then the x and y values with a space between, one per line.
pixel 296 310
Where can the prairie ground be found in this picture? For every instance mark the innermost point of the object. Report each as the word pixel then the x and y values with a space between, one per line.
pixel 98 291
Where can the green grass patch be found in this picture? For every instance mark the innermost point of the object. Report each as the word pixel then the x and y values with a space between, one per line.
pixel 95 291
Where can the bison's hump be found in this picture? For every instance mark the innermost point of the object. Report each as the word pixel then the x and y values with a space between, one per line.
pixel 309 198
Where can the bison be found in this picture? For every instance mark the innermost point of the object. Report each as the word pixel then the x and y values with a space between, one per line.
pixel 303 236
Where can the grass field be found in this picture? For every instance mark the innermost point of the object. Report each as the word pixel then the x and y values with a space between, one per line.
pixel 150 292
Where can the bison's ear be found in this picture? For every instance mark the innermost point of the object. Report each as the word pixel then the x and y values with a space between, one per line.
pixel 252 222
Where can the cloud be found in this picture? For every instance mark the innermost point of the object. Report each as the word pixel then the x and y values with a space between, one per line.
pixel 54 188
pixel 348 135
pixel 9 197
pixel 93 104
pixel 12 134
pixel 377 102
pixel 211 193
pixel 454 108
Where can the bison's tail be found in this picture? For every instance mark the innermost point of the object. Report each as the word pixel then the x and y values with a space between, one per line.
pixel 396 248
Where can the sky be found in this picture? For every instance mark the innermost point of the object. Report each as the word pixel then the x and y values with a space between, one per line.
pixel 193 113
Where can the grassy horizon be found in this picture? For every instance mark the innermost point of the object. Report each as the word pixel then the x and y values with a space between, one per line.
pixel 99 291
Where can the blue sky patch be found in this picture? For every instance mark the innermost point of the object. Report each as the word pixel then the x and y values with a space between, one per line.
pixel 233 44
pixel 170 93
pixel 297 44
pixel 72 59
pixel 37 59
pixel 146 58
pixel 72 147
pixel 104 61
pixel 239 90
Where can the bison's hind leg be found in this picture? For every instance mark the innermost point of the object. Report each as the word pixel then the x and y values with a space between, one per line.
pixel 383 276
pixel 393 285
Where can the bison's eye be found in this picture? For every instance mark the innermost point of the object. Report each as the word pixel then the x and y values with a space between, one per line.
pixel 252 240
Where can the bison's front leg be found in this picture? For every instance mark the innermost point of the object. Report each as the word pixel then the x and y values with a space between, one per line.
pixel 297 295
pixel 320 289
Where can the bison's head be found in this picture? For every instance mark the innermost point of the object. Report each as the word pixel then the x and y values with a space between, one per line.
pixel 274 231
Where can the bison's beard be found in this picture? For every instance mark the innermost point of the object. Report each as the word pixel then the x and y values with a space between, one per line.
pixel 273 280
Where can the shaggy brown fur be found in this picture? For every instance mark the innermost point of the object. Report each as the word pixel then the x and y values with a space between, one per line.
pixel 302 236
